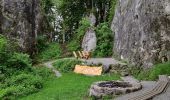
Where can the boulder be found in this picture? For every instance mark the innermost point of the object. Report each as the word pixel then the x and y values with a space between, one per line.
pixel 142 31
pixel 89 40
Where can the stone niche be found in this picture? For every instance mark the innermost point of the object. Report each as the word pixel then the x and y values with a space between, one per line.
pixel 142 31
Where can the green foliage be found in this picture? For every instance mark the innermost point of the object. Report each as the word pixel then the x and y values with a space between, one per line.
pixel 42 71
pixel 19 61
pixel 66 65
pixel 104 41
pixel 160 69
pixel 46 5
pixel 17 76
pixel 3 43
pixel 48 16
pixel 83 26
pixel 72 12
pixel 41 42
pixel 5 49
pixel 20 85
pixel 23 83
pixel 112 10
pixel 155 71
pixel 26 80
pixel 75 44
pixel 52 51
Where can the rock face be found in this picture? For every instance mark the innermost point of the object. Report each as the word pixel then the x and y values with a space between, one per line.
pixel 20 19
pixel 89 40
pixel 142 31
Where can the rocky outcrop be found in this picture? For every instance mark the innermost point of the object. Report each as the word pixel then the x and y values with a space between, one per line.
pixel 142 31
pixel 20 19
pixel 89 40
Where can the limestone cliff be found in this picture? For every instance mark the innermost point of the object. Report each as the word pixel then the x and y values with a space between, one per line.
pixel 20 19
pixel 142 31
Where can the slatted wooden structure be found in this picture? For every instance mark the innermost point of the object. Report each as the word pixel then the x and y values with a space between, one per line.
pixel 159 88
pixel 75 55
pixel 82 54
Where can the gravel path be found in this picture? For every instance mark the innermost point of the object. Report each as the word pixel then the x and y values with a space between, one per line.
pixel 49 65
pixel 104 61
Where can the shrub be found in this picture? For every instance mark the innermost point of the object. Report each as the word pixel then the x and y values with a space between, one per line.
pixel 43 72
pixel 3 49
pixel 66 65
pixel 104 41
pixel 26 80
pixel 52 51
pixel 160 69
pixel 19 61
pixel 17 76
pixel 154 72
pixel 144 75
pixel 21 84
pixel 41 42
pixel 73 46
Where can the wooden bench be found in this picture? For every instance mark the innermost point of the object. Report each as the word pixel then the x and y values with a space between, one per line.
pixel 86 54
pixel 159 88
pixel 75 55
pixel 82 54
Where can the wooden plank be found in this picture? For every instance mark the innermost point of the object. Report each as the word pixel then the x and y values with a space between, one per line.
pixel 159 88
pixel 83 54
pixel 80 54
pixel 139 97
pixel 75 55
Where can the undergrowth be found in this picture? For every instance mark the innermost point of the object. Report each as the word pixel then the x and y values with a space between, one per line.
pixel 66 65
pixel 154 72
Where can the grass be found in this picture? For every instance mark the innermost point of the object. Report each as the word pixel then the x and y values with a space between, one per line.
pixel 68 87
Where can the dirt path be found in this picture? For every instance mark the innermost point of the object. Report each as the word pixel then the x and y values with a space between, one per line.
pixel 49 65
